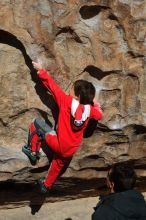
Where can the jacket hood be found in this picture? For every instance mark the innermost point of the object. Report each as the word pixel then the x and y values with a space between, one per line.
pixel 130 204
pixel 79 114
pixel 78 111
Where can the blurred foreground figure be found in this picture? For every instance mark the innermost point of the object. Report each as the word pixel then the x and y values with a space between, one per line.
pixel 123 203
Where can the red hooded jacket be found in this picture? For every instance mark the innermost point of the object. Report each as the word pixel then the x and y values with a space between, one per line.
pixel 69 139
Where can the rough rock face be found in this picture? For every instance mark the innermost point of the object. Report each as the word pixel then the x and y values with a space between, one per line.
pixel 99 40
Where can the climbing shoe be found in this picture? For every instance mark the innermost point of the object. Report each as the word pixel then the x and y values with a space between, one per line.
pixel 32 155
pixel 43 188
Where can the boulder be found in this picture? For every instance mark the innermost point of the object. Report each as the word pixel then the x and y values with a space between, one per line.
pixel 100 41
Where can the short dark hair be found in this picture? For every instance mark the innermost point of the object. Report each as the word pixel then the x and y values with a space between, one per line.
pixel 85 90
pixel 123 176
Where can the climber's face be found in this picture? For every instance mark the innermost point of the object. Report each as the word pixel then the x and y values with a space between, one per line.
pixel 72 93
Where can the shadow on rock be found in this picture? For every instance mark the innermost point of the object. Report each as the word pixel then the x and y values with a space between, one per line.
pixel 36 207
pixel 91 127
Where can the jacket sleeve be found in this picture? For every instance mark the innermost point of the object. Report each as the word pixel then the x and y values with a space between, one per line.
pixel 51 86
pixel 97 113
